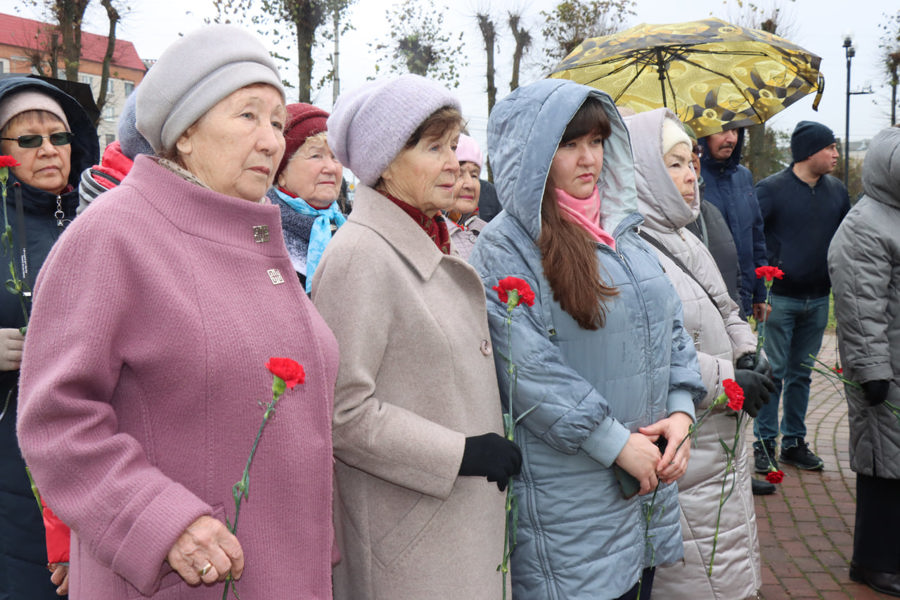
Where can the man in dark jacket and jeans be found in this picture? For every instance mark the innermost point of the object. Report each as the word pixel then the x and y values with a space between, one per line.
pixel 801 207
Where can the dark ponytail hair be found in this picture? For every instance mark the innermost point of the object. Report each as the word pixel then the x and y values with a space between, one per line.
pixel 568 252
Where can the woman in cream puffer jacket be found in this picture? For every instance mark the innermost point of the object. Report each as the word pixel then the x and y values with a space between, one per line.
pixel 720 338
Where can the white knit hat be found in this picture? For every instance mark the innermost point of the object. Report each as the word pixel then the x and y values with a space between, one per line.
pixel 672 134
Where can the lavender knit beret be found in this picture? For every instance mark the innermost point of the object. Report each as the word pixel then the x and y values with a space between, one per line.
pixel 370 125
pixel 194 74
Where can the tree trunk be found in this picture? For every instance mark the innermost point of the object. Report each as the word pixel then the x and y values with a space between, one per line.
pixel 307 17
pixel 523 41
pixel 336 79
pixel 488 32
pixel 113 16
pixel 70 14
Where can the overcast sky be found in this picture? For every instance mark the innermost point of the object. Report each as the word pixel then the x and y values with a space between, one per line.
pixel 817 25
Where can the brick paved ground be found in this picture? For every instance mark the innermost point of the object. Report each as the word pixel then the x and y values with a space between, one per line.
pixel 806 527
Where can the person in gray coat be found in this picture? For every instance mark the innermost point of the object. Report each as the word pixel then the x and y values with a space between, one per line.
pixel 604 363
pixel 864 266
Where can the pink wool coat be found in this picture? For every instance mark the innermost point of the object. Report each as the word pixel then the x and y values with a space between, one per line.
pixel 153 319
pixel 416 377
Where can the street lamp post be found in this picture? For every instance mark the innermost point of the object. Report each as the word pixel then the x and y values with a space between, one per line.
pixel 849 52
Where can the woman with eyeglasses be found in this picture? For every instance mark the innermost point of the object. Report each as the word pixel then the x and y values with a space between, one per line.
pixel 52 139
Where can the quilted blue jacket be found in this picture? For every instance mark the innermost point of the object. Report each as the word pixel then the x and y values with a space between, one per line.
pixel 578 537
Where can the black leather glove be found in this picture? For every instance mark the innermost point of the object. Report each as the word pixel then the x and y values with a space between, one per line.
pixel 492 456
pixel 758 389
pixel 876 391
pixel 755 362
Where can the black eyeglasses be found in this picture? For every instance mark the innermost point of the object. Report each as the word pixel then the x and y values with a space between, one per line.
pixel 33 140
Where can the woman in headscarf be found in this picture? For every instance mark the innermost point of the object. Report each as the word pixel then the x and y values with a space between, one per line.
pixel 604 364
pixel 308 183
pixel 154 319
pixel 52 139
pixel 726 348
pixel 417 419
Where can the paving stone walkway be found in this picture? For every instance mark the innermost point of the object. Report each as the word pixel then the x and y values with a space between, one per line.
pixel 806 527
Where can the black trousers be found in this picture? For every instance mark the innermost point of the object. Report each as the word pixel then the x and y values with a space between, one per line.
pixel 876 539
pixel 646 584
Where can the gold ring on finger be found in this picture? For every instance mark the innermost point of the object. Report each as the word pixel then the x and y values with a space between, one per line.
pixel 205 569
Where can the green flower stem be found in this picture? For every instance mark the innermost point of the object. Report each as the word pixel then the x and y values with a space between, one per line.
pixel 241 489
pixel 34 490
pixel 723 496
pixel 509 427
pixel 761 325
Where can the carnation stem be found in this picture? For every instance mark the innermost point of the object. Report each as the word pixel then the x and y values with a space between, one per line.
pixel 241 489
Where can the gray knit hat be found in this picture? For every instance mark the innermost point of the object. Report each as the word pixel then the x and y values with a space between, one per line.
pixel 130 139
pixel 194 74
pixel 370 125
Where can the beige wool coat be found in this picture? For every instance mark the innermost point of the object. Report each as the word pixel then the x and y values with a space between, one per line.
pixel 416 377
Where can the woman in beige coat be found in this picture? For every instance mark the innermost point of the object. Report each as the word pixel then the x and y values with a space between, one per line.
pixel 417 418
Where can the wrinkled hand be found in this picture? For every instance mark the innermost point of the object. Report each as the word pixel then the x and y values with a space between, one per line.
pixel 492 456
pixel 206 540
pixel 639 458
pixel 761 311
pixel 674 428
pixel 59 577
pixel 11 344
pixel 876 391
pixel 758 390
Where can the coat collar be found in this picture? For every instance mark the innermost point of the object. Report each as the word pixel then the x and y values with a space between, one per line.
pixel 376 212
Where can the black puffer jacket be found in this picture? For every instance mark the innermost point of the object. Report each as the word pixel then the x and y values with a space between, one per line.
pixel 23 558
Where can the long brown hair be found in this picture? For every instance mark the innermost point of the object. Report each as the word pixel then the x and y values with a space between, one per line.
pixel 568 253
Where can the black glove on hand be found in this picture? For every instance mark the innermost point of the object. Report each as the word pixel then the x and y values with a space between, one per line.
pixel 755 362
pixel 492 456
pixel 758 389
pixel 876 391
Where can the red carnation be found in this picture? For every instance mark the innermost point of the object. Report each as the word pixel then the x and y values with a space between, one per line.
pixel 769 273
pixel 287 369
pixel 8 161
pixel 735 394
pixel 514 284
pixel 775 476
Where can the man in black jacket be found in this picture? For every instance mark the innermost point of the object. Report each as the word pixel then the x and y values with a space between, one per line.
pixel 801 207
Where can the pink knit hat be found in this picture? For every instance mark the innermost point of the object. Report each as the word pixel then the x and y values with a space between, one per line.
pixel 30 100
pixel 467 150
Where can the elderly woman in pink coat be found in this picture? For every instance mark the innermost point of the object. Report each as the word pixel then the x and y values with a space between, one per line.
pixel 145 359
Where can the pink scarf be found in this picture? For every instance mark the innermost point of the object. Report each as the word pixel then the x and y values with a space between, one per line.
pixel 585 212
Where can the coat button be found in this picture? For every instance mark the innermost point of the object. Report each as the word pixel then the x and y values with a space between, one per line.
pixel 485 347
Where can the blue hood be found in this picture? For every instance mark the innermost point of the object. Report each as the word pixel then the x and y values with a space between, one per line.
pixel 524 131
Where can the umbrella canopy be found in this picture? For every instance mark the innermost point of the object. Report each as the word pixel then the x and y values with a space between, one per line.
pixel 712 74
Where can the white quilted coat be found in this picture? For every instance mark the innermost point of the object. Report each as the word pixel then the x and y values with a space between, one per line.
pixel 720 337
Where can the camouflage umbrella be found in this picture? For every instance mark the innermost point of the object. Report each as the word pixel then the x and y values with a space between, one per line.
pixel 711 73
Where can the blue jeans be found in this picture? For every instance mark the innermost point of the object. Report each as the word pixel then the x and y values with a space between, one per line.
pixel 792 332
